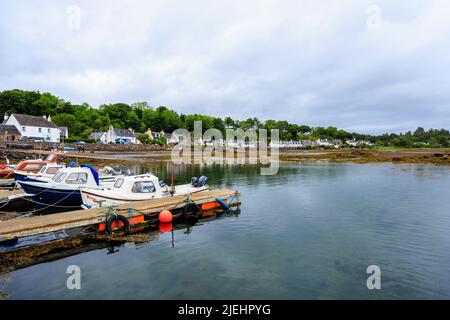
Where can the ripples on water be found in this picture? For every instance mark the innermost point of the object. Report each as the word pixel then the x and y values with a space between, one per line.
pixel 308 232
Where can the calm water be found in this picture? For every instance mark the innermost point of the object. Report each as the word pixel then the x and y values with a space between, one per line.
pixel 308 232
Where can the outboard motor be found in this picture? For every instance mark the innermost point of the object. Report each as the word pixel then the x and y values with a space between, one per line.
pixel 202 181
pixel 194 181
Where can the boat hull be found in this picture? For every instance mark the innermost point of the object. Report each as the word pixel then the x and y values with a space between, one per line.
pixel 6 173
pixel 18 176
pixel 94 198
pixel 53 196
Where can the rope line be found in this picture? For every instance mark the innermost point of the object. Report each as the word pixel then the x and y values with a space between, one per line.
pixel 50 205
pixel 9 197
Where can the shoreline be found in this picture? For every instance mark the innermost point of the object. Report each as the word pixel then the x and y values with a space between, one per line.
pixel 435 156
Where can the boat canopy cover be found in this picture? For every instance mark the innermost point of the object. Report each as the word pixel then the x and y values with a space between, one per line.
pixel 94 172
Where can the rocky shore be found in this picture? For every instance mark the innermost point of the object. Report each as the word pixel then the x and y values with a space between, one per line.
pixel 439 156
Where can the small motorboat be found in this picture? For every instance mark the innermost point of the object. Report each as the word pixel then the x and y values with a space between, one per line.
pixel 46 173
pixel 32 166
pixel 63 190
pixel 138 188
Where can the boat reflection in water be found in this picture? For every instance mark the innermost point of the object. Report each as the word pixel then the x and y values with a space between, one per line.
pixel 30 251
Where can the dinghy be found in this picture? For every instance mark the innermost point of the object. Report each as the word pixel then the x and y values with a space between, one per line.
pixel 137 188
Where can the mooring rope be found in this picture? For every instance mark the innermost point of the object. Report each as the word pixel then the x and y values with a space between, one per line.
pixel 42 203
pixel 9 199
pixel 50 205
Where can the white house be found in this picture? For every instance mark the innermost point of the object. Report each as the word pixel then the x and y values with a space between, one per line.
pixel 171 138
pixel 34 127
pixel 98 136
pixel 113 135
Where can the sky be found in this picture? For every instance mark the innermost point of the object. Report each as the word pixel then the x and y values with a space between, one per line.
pixel 364 66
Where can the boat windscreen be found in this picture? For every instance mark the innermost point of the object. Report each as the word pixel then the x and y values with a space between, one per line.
pixel 94 172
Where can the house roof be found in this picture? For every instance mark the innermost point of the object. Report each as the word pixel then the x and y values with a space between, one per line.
pixel 96 135
pixel 123 133
pixel 33 121
pixel 9 128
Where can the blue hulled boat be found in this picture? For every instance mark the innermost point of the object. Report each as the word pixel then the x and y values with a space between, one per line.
pixel 63 190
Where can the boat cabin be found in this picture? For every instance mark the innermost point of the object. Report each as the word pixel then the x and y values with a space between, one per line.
pixel 140 184
pixel 51 168
pixel 78 176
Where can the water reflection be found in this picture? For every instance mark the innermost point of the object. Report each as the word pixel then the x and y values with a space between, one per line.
pixel 308 232
pixel 32 252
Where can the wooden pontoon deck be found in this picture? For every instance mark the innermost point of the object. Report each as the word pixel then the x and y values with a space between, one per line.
pixel 17 228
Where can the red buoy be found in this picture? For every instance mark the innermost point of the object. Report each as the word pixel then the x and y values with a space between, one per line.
pixel 165 227
pixel 165 216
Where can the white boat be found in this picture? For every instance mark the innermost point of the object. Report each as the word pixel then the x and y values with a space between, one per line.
pixel 46 173
pixel 64 188
pixel 137 188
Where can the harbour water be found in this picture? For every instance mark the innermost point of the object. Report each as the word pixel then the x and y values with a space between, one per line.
pixel 309 232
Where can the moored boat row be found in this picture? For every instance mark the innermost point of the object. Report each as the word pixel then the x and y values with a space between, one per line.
pixel 51 184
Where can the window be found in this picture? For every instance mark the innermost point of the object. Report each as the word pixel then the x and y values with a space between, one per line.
pixel 40 130
pixel 24 128
pixel 48 130
pixel 52 170
pixel 77 178
pixel 33 167
pixel 118 183
pixel 143 187
pixel 59 177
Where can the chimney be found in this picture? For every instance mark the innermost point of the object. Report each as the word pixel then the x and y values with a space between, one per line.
pixel 44 117
pixel 5 117
pixel 49 118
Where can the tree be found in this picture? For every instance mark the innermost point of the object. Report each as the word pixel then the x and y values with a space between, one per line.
pixel 229 123
pixel 67 120
pixel 144 138
pixel 304 129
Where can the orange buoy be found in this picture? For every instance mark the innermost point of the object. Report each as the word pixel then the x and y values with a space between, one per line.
pixel 165 216
pixel 165 227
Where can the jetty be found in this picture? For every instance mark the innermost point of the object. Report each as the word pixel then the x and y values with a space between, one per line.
pixel 137 213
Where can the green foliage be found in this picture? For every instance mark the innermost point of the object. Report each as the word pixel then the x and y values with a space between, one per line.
pixel 83 119
pixel 144 138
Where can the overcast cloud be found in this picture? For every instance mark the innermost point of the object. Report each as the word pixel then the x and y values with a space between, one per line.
pixel 314 62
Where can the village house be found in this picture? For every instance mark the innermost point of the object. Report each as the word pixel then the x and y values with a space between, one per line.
pixel 171 138
pixel 9 132
pixel 98 136
pixel 324 143
pixel 113 135
pixel 32 127
pixel 153 135
pixel 360 143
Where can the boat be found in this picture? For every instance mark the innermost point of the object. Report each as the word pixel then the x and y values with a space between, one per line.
pixel 46 173
pixel 106 174
pixel 137 188
pixel 32 166
pixel 63 190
